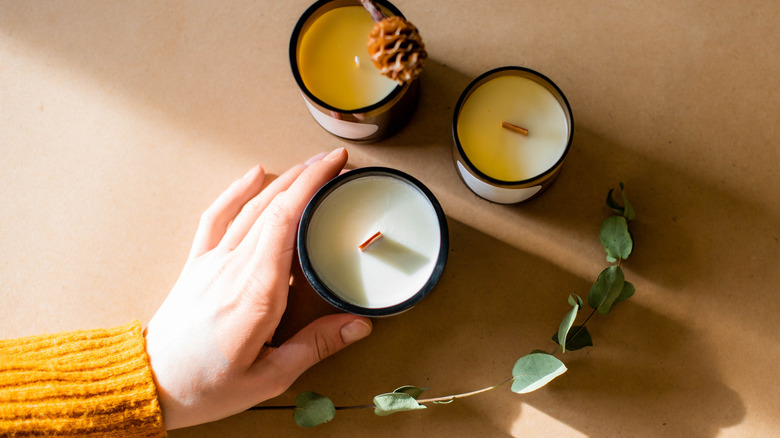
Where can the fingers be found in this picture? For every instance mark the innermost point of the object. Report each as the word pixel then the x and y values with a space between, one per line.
pixel 252 210
pixel 215 220
pixel 277 228
pixel 320 339
pixel 235 211
pixel 274 245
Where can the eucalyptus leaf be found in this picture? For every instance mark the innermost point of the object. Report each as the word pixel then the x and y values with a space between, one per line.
pixel 615 238
pixel 414 391
pixel 444 402
pixel 535 370
pixel 575 300
pixel 613 205
pixel 312 409
pixel 628 209
pixel 577 338
pixel 567 322
pixel 390 403
pixel 607 288
pixel 626 293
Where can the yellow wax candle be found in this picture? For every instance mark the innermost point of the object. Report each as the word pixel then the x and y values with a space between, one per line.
pixel 504 154
pixel 334 62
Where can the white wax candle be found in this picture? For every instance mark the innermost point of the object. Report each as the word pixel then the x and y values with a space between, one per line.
pixel 504 154
pixel 394 268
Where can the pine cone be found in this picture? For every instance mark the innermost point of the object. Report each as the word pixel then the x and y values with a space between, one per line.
pixel 397 49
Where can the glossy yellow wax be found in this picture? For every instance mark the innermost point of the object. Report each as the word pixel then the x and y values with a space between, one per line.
pixel 503 154
pixel 334 63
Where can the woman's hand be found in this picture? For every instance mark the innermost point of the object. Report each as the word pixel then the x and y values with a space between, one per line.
pixel 208 342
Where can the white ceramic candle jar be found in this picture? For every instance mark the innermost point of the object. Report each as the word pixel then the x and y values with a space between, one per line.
pixel 512 129
pixel 342 88
pixel 373 241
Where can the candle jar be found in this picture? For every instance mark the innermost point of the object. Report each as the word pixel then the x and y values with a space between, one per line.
pixel 343 90
pixel 373 241
pixel 512 129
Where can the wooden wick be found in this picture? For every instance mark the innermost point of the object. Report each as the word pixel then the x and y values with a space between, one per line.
pixel 363 246
pixel 376 14
pixel 511 127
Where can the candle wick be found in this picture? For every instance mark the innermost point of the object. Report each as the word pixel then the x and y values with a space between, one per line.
pixel 363 246
pixel 515 128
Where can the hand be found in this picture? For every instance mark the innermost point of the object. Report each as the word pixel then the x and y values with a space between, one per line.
pixel 208 342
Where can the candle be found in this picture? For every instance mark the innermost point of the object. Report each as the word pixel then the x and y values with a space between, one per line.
pixel 343 90
pixel 336 43
pixel 512 129
pixel 373 241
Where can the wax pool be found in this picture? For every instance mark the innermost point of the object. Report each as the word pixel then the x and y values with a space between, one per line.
pixel 334 62
pixel 394 268
pixel 503 154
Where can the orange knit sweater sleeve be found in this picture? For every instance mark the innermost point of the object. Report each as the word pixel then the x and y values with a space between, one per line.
pixel 86 383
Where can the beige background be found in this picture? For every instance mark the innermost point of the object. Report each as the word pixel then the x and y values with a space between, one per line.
pixel 121 121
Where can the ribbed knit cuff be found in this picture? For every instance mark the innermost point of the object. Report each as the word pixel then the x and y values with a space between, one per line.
pixel 84 383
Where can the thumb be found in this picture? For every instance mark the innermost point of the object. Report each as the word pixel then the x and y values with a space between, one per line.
pixel 318 340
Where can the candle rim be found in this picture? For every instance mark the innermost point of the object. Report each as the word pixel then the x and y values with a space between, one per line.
pixel 321 287
pixel 486 77
pixel 296 38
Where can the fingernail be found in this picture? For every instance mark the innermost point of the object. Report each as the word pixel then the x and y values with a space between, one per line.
pixel 354 331
pixel 334 154
pixel 315 158
pixel 252 171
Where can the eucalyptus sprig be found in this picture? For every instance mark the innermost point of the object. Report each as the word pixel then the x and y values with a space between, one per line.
pixel 531 371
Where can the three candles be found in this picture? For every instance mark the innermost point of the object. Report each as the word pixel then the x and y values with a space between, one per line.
pixel 374 241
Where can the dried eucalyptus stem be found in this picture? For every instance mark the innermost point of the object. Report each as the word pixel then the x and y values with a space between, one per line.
pixel 531 371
